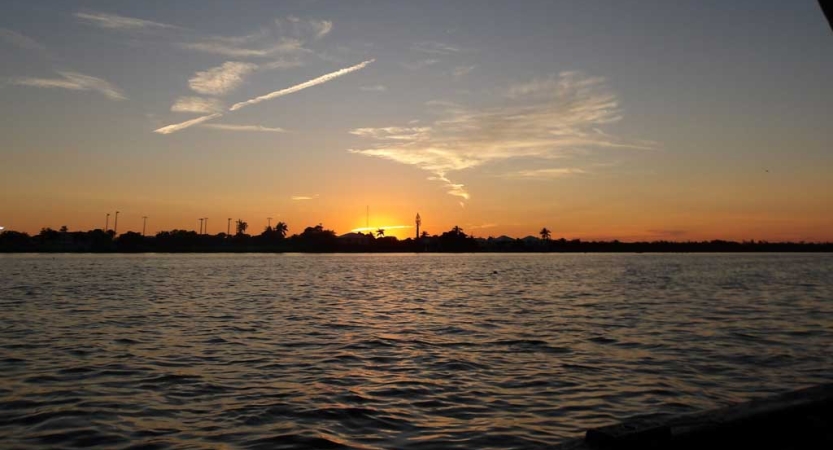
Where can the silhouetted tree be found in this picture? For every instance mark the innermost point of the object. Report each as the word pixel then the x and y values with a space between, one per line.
pixel 281 228
pixel 241 227
pixel 380 232
pixel 545 234
pixel 130 241
pixel 457 241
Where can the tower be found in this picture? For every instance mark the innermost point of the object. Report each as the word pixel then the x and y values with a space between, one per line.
pixel 418 223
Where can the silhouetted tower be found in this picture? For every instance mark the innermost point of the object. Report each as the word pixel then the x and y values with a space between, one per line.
pixel 418 223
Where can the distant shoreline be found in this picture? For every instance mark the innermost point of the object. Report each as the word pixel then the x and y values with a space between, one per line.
pixel 321 240
pixel 369 252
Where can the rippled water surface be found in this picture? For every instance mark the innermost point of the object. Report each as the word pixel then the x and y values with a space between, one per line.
pixel 393 351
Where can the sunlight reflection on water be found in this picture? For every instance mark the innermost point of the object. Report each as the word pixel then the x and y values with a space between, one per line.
pixel 393 351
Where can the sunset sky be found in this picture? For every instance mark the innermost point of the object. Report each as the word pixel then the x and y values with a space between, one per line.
pixel 597 119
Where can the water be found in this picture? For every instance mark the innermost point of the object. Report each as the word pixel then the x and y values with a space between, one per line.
pixel 394 351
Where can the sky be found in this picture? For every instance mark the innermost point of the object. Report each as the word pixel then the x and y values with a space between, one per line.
pixel 627 120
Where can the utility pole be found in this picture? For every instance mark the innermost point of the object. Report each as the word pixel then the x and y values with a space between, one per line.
pixel 144 224
pixel 205 230
pixel 269 219
pixel 200 219
pixel 107 223
pixel 116 226
pixel 228 228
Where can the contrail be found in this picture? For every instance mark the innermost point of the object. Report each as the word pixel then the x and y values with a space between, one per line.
pixel 304 85
pixel 179 126
pixel 314 82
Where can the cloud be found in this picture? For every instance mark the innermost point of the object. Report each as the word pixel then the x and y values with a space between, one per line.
pixel 116 22
pixel 298 87
pixel 461 71
pixel 435 48
pixel 321 27
pixel 282 64
pixel 219 46
pixel 315 81
pixel 374 88
pixel 546 173
pixel 483 226
pixel 303 197
pixel 74 81
pixel 288 37
pixel 304 29
pixel 221 80
pixel 420 64
pixel 189 123
pixel 543 119
pixel 197 105
pixel 230 127
pixel 388 227
pixel 19 40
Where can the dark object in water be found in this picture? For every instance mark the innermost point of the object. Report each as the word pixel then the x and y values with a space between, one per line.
pixel 794 420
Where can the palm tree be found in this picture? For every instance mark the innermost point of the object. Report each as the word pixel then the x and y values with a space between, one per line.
pixel 281 228
pixel 241 226
pixel 545 234
pixel 424 234
pixel 380 232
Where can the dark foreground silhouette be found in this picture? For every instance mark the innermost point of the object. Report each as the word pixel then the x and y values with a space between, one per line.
pixel 321 240
pixel 799 419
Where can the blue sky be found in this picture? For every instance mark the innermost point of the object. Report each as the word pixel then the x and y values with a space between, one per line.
pixel 596 119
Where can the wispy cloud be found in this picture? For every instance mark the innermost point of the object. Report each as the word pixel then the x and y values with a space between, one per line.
pixel 321 27
pixel 19 40
pixel 544 119
pixel 220 47
pixel 546 173
pixel 73 81
pixel 384 227
pixel 116 22
pixel 303 28
pixel 221 80
pixel 303 197
pixel 231 127
pixel 374 88
pixel 287 38
pixel 435 48
pixel 188 123
pixel 283 64
pixel 420 64
pixel 298 87
pixel 197 105
pixel 314 82
pixel 461 71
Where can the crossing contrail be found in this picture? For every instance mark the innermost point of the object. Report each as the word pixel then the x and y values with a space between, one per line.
pixel 314 82
pixel 298 87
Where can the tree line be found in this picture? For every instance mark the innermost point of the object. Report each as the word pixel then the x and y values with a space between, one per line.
pixel 319 239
